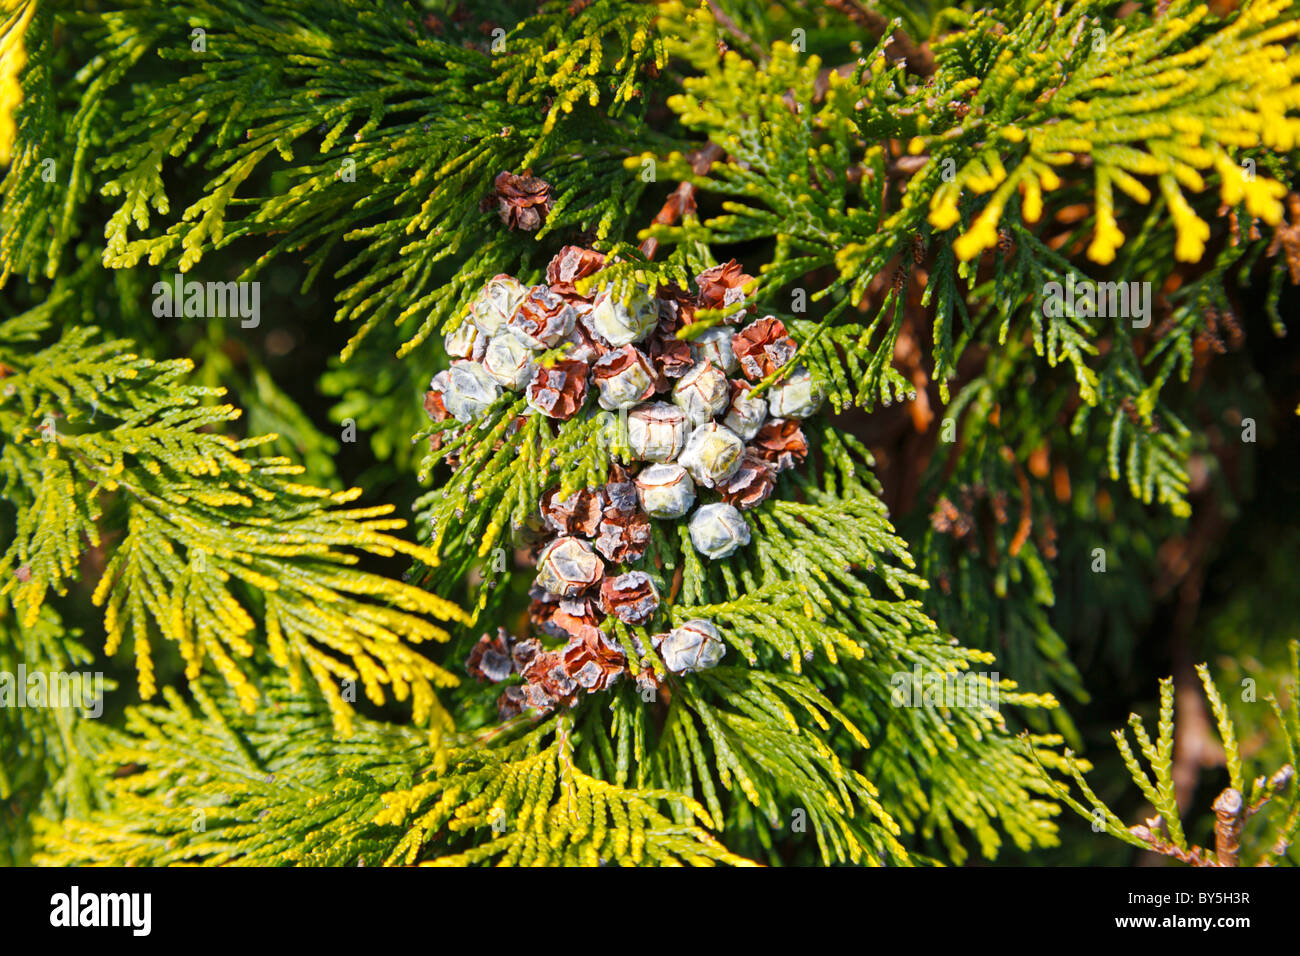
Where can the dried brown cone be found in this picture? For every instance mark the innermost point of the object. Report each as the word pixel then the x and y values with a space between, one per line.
pixel 648 680
pixel 533 698
pixel 593 664
pixel 542 697
pixel 489 660
pixel 569 265
pixel 947 518
pixel 434 407
pixel 630 597
pixel 918 249
pixel 1045 535
pixel 671 358
pixel 780 441
pixel 676 309
pixel 523 653
pixel 556 677
pixel 624 530
pixel 559 391
pixel 622 536
pixel 579 513
pixel 550 679
pixel 722 287
pixel 567 619
pixel 586 345
pixel 542 605
pixel 1286 237
pixel 751 485
pixel 620 491
pixel 511 703
pixel 998 502
pixel 762 347
pixel 523 202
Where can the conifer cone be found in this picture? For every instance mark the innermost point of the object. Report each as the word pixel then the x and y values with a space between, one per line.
pixel 523 202
pixel 569 265
pixel 722 287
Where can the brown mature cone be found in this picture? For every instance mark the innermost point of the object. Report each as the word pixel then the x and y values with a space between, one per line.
pixel 559 391
pixel 555 677
pixel 523 653
pixel 522 201
pixel 751 485
pixel 489 659
pixel 577 514
pixel 647 683
pixel 538 610
pixel 567 618
pixel 676 309
pixel 594 664
pixel 780 441
pixel 511 703
pixel 539 697
pixel 620 491
pixel 622 538
pixel 520 698
pixel 721 288
pixel 584 345
pixel 762 347
pixel 624 530
pixel 548 673
pixel 434 407
pixel 948 519
pixel 671 358
pixel 569 265
pixel 630 597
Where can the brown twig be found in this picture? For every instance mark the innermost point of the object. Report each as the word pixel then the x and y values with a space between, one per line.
pixel 1151 834
pixel 1227 827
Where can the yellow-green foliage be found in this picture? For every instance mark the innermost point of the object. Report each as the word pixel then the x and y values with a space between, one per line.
pixel 222 550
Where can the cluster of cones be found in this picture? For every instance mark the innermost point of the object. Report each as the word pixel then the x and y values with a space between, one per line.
pixel 559 347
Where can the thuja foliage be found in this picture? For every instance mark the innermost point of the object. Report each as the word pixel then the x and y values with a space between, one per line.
pixel 1264 842
pixel 202 523
pixel 1006 483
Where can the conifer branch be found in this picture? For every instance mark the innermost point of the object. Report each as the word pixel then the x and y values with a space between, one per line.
pixel 1164 833
pixel 208 527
